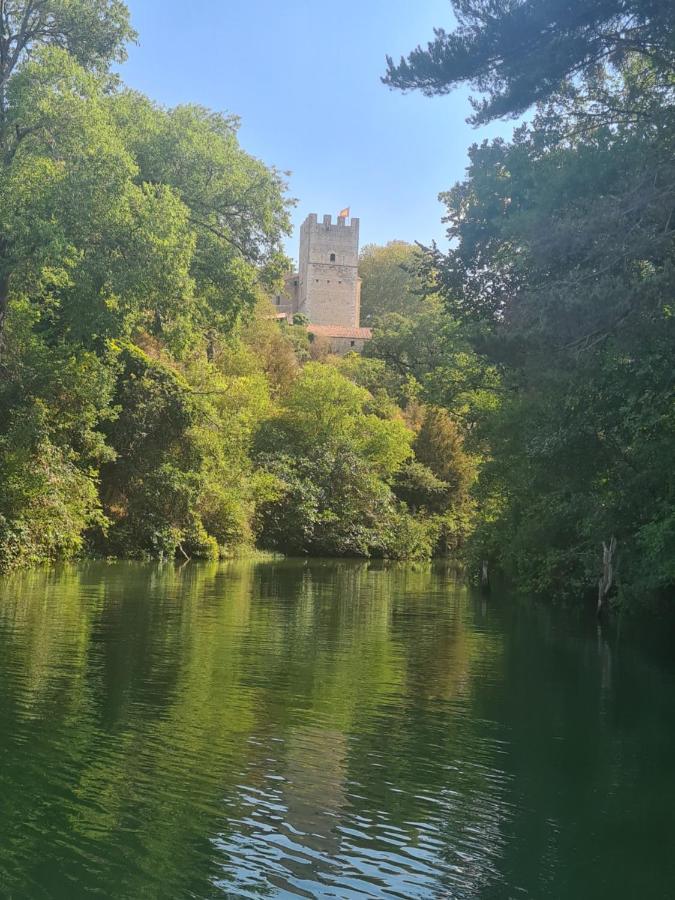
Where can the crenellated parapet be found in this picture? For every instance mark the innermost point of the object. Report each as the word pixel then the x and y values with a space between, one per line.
pixel 329 288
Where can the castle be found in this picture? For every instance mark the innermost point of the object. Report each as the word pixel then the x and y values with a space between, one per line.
pixel 326 289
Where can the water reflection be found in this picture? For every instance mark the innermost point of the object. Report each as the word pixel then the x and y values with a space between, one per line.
pixel 316 729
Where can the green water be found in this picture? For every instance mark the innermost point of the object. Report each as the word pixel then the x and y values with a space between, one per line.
pixel 324 729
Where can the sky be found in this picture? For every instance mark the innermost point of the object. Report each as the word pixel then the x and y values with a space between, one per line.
pixel 304 77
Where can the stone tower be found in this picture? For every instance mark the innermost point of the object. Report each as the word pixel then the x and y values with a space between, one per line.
pixel 329 287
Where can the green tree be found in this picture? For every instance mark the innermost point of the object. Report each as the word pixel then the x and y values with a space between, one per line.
pixel 342 450
pixel 94 34
pixel 324 408
pixel 132 238
pixel 391 281
pixel 235 205
pixel 438 481
pixel 521 53
pixel 562 277
pixel 431 355
pixel 440 446
pixel 95 252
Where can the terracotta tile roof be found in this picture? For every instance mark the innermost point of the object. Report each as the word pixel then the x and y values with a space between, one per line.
pixel 340 331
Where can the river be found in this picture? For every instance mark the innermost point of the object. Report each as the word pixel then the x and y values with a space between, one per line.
pixel 324 729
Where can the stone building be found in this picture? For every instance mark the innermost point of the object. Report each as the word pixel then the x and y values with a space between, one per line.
pixel 327 288
pixel 340 338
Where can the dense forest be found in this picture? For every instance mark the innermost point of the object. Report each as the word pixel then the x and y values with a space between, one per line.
pixel 515 407
pixel 149 403
pixel 561 280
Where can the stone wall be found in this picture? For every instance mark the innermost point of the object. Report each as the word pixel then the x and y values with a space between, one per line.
pixel 329 289
pixel 342 345
pixel 287 300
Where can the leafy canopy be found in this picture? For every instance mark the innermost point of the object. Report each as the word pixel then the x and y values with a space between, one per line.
pixel 521 52
pixel 93 32
pixel 391 282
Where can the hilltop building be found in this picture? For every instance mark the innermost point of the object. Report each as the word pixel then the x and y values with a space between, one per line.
pixel 327 288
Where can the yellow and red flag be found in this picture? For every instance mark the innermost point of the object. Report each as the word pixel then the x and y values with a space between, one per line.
pixel 344 214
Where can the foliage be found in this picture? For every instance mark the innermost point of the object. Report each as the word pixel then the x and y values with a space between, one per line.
pixel 349 480
pixel 341 453
pixel 234 204
pixel 560 279
pixel 325 408
pixel 47 502
pixel 521 53
pixel 440 446
pixel 93 32
pixel 279 347
pixel 391 280
pixel 438 482
pixel 150 403
pixel 53 397
pixel 135 240
pixel 430 354
pixel 48 46
pixel 117 214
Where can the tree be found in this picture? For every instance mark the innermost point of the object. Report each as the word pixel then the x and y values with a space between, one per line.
pixel 51 403
pixel 93 34
pixel 323 408
pixel 335 452
pixel 132 240
pixel 437 482
pixel 235 205
pixel 430 353
pixel 95 252
pixel 521 53
pixel 561 276
pixel 390 280
pixel 181 476
pixel 440 446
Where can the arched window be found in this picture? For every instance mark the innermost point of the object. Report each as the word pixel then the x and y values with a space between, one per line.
pixel 332 257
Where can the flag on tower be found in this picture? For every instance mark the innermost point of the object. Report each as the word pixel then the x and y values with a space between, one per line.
pixel 344 214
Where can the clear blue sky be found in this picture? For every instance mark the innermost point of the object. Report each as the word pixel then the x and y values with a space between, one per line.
pixel 304 78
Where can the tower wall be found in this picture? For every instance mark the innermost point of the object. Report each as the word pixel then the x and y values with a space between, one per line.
pixel 329 289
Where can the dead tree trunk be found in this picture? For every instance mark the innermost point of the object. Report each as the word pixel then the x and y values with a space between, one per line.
pixel 484 574
pixel 182 550
pixel 607 578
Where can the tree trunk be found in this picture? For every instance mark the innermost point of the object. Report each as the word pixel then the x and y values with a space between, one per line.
pixel 180 547
pixel 607 578
pixel 484 574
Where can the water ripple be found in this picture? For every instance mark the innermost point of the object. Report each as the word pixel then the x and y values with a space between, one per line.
pixel 315 729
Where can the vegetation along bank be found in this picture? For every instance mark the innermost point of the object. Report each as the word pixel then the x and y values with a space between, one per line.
pixel 515 404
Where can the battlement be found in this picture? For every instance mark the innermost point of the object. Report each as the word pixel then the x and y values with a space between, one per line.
pixel 313 220
pixel 329 288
